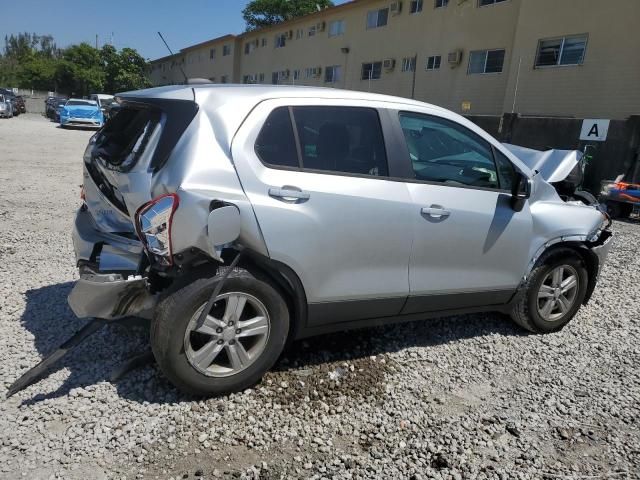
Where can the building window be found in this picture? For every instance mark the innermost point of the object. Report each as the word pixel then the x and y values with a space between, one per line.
pixel 261 78
pixel 409 64
pixel 484 3
pixel 433 62
pixel 312 31
pixel 486 61
pixel 377 18
pixel 281 40
pixel 415 6
pixel 371 71
pixel 441 3
pixel 226 50
pixel 333 74
pixel 296 74
pixel 224 79
pixel 561 51
pixel 212 54
pixel 264 42
pixel 251 79
pixel 336 28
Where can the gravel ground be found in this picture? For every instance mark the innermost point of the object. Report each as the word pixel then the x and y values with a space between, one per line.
pixel 463 397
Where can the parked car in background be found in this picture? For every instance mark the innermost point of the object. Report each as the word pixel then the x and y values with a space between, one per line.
pixel 105 101
pixel 52 106
pixel 58 105
pixel 6 109
pixel 620 197
pixel 342 209
pixel 22 105
pixel 77 112
pixel 11 96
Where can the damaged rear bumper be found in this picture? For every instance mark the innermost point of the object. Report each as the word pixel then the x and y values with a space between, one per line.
pixel 110 297
pixel 108 288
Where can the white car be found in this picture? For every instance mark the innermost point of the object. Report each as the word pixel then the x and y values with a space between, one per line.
pixel 6 109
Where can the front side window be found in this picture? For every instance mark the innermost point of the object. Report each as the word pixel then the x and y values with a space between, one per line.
pixel 486 61
pixel 333 74
pixel 371 71
pixel 336 28
pixel 444 151
pixel 377 18
pixel 561 51
pixel 433 62
pixel 415 6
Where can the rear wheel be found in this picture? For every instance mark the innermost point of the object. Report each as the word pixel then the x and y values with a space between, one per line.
pixel 554 292
pixel 240 339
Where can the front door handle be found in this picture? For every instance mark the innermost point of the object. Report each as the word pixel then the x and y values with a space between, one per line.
pixel 436 211
pixel 289 193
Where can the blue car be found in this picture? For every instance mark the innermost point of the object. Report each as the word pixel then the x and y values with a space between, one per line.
pixel 81 113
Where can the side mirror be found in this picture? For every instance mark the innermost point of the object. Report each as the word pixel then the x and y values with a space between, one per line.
pixel 520 191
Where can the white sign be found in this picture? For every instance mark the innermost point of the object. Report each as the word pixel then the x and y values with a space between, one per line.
pixel 594 130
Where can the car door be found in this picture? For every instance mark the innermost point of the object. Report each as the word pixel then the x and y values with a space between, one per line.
pixel 317 177
pixel 470 247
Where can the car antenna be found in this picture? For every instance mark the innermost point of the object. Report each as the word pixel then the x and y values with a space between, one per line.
pixel 186 79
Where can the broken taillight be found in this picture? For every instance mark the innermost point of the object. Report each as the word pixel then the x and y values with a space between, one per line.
pixel 153 226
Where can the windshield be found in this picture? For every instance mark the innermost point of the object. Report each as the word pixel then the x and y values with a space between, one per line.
pixel 86 103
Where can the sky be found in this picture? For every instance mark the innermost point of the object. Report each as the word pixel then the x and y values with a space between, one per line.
pixel 134 23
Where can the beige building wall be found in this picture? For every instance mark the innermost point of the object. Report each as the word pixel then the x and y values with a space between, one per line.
pixel 606 85
pixel 211 60
pixel 166 71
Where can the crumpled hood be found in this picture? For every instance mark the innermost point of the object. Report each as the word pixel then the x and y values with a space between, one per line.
pixel 553 165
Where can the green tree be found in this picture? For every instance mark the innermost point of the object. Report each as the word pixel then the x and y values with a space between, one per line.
pixel 263 13
pixel 80 71
pixel 125 70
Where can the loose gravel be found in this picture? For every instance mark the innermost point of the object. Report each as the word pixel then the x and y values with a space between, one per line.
pixel 467 397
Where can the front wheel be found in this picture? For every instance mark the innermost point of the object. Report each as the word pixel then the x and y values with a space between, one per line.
pixel 241 337
pixel 553 294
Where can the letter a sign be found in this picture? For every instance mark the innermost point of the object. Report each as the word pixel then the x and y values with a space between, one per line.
pixel 594 130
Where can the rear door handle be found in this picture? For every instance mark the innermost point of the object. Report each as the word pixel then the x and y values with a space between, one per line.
pixel 289 193
pixel 436 211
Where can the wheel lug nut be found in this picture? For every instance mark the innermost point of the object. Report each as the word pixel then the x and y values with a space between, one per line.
pixel 220 342
pixel 219 330
pixel 238 331
pixel 231 324
pixel 232 342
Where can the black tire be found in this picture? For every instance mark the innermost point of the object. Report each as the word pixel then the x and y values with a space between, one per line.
pixel 172 318
pixel 525 313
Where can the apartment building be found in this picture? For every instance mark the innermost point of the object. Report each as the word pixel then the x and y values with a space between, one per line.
pixel 573 58
pixel 214 60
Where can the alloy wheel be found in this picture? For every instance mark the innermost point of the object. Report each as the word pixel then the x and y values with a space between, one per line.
pixel 233 335
pixel 558 293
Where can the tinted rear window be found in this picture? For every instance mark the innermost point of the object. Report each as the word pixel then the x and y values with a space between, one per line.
pixel 125 136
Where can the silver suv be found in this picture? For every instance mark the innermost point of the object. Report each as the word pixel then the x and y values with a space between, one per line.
pixel 238 218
